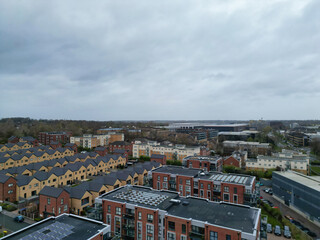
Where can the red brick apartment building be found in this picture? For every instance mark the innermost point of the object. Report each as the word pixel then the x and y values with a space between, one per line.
pixel 204 162
pixel 47 137
pixel 7 188
pixel 121 145
pixel 53 201
pixel 215 186
pixel 141 213
pixel 162 159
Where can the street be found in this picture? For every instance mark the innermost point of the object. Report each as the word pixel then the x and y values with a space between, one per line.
pixel 9 224
pixel 285 210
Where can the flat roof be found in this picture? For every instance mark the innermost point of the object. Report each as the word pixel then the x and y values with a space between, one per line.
pixel 309 181
pixel 141 196
pixel 213 176
pixel 65 226
pixel 235 216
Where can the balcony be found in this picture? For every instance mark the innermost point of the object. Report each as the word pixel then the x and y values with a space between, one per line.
pixel 194 235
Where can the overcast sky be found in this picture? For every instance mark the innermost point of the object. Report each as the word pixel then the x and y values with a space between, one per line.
pixel 157 60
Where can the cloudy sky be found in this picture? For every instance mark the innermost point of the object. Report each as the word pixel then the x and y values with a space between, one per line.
pixel 156 60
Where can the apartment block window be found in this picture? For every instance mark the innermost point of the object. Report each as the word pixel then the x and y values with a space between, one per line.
pixel 213 235
pixel 53 210
pixel 188 182
pixel 171 226
pixel 201 185
pixel 165 185
pixel 109 219
pixel 150 218
pixel 139 215
pixel 118 211
pixel 171 236
pixel 228 237
pixel 65 208
pixel 226 189
pixel 201 193
pixel 59 210
pixel 235 198
pixel 149 229
pixel 10 191
pixel 226 197
pixel 165 179
pixel 235 190
pixel 49 200
pixel 109 209
pixel 10 184
pixel 183 237
pixel 139 230
pixel 184 228
pixel 61 201
pixel 180 181
pixel 209 186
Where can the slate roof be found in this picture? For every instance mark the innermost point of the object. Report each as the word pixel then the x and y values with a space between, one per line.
pixel 3 178
pixel 51 191
pixel 158 156
pixel 23 180
pixel 76 192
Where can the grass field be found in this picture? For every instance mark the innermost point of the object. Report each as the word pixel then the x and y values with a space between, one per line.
pixel 315 169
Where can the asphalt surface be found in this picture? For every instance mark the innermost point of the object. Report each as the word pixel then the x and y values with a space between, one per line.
pixel 285 210
pixel 9 224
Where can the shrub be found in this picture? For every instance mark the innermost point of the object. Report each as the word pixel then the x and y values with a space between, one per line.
pixel 10 208
pixel 38 219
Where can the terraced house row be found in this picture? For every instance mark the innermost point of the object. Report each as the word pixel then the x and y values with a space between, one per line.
pixel 23 157
pixel 76 199
pixel 30 179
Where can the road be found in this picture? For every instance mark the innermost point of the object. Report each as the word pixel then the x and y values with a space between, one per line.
pixel 285 210
pixel 9 224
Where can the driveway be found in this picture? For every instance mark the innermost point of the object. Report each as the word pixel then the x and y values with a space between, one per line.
pixel 285 210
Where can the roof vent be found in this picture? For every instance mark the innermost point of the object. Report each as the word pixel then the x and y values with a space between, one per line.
pixel 175 201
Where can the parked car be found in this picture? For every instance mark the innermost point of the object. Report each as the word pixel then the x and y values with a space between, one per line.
pixel 270 192
pixel 286 232
pixel 295 222
pixel 19 218
pixel 311 234
pixel 277 230
pixel 289 218
pixel 269 228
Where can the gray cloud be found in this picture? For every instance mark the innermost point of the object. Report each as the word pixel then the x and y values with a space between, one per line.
pixel 118 60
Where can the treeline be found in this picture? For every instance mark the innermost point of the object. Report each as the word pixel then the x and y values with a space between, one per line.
pixel 31 127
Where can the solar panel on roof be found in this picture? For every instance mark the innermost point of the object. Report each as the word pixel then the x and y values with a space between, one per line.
pixel 237 179
pixel 232 179
pixel 228 178
pixel 223 178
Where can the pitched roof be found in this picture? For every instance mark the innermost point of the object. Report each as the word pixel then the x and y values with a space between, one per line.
pixel 76 192
pixel 158 156
pixel 23 180
pixel 51 191
pixel 3 178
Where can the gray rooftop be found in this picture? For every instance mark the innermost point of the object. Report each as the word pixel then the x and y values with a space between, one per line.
pixel 65 226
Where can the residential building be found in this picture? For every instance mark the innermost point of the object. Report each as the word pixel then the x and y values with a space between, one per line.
pixel 102 151
pixel 162 159
pixel 237 159
pixel 234 188
pixel 208 163
pixel 47 137
pixel 53 201
pixel 92 141
pixel 121 145
pixel 136 212
pixel 55 145
pixel 298 191
pixel 65 226
pixel 236 136
pixel 7 188
pixel 298 139
pixel 285 160
pixel 172 152
pixel 252 148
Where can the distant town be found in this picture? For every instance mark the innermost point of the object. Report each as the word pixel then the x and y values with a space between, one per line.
pixel 159 179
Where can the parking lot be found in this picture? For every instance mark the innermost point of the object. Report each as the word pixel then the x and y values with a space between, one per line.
pixel 286 211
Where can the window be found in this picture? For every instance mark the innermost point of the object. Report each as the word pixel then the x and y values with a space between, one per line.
pixel 109 219
pixel 49 200
pixel 10 184
pixel 158 178
pixel 165 179
pixel 65 208
pixel 213 235
pixel 228 237
pixel 171 236
pixel 53 210
pixel 201 193
pixel 59 210
pixel 84 201
pixel 139 230
pixel 165 185
pixel 188 182
pixel 235 190
pixel 61 201
pixel 226 189
pixel 118 211
pixel 149 229
pixel 235 198
pixel 226 197
pixel 171 226
pixel 181 188
pixel 180 181
pixel 201 185
pixel 184 228
pixel 139 215
pixel 150 218
pixel 183 237
pixel 209 186
pixel 109 209
pixel 10 191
